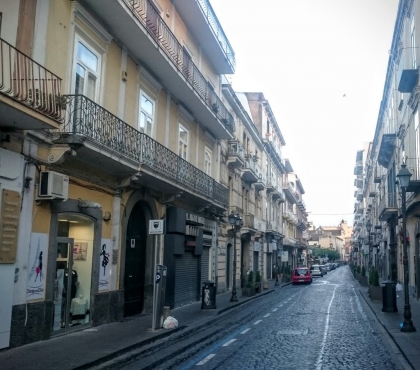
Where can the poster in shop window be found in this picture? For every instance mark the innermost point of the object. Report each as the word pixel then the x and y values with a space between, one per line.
pixel 37 265
pixel 284 256
pixel 105 264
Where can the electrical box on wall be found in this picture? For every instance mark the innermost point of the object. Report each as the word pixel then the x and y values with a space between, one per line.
pixel 53 185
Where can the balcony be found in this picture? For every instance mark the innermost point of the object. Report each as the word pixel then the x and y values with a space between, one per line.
pixel 148 38
pixel 289 215
pixel 105 142
pixel 260 225
pixel 413 165
pixel 249 171
pixel 388 207
pixel 386 150
pixel 358 182
pixel 30 95
pixel 261 182
pixel 249 224
pixel 202 22
pixel 358 169
pixel 290 191
pixel 359 195
pixel 272 227
pixel 301 204
pixel 288 241
pixel 236 154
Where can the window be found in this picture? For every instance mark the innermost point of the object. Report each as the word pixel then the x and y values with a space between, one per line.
pixel 147 111
pixel 87 66
pixel 183 142
pixel 207 161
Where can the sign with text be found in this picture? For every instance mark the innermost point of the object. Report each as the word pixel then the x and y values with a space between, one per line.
pixel 35 286
pixel 156 227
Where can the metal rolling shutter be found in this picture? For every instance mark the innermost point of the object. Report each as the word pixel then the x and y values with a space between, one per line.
pixel 186 284
pixel 268 273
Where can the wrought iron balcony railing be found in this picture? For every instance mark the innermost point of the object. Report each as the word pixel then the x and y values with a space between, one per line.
pixel 156 27
pixel 29 83
pixel 85 117
pixel 218 31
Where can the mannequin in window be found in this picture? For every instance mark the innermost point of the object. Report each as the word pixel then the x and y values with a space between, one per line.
pixel 73 290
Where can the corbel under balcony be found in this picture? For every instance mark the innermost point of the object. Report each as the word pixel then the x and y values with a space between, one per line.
pixel 58 153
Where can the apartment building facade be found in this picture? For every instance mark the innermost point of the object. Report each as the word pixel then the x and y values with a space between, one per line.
pixel 116 115
pixel 378 237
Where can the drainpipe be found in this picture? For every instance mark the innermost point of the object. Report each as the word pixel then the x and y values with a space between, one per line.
pixel 116 229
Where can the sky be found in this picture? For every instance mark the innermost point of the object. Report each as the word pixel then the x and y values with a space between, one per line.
pixel 321 64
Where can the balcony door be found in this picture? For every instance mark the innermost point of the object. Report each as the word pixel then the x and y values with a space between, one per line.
pixel 86 70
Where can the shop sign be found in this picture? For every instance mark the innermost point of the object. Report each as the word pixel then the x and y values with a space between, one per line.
pixel 104 265
pixel 284 256
pixel 194 218
pixel 35 286
pixel 9 221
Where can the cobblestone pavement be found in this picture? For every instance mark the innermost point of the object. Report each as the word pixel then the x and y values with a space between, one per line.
pixel 319 326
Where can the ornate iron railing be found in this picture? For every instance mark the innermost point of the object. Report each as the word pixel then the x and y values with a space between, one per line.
pixel 96 124
pixel 26 81
pixel 156 27
pixel 218 31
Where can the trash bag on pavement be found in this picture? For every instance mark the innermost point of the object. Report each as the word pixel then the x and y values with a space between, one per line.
pixel 170 323
pixel 398 287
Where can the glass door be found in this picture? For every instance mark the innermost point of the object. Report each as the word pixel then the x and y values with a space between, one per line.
pixel 65 284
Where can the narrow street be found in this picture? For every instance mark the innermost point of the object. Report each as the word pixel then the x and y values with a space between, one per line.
pixel 325 325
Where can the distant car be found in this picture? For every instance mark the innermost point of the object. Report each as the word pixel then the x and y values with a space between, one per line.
pixel 328 266
pixel 301 275
pixel 316 270
pixel 332 266
pixel 324 269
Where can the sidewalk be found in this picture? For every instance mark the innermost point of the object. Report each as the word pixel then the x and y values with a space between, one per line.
pixel 89 347
pixel 407 343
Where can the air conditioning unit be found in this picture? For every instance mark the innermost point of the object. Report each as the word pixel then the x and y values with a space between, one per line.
pixel 53 185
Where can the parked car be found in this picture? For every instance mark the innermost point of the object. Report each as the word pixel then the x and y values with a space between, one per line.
pixel 332 266
pixel 301 275
pixel 324 269
pixel 316 270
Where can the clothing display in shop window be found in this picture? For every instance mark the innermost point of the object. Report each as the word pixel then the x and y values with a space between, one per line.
pixel 79 306
pixel 73 290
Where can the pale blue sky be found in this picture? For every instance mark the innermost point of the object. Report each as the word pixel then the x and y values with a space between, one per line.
pixel 304 55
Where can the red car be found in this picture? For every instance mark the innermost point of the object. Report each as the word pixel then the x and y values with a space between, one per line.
pixel 301 275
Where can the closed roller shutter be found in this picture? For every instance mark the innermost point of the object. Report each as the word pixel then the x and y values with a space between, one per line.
pixel 186 284
pixel 268 275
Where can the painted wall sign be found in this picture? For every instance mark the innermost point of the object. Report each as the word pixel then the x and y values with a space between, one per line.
pixel 104 265
pixel 9 221
pixel 35 286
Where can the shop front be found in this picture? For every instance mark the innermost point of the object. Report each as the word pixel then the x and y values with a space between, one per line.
pixel 187 265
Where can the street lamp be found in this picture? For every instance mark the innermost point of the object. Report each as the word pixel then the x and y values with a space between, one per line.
pixel 368 229
pixel 236 222
pixel 404 180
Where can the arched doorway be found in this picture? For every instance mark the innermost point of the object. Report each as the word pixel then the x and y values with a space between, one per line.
pixel 135 260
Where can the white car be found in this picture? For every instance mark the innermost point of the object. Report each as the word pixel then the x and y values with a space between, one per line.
pixel 316 271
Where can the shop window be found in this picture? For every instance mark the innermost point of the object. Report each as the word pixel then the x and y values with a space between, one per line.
pixel 73 275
